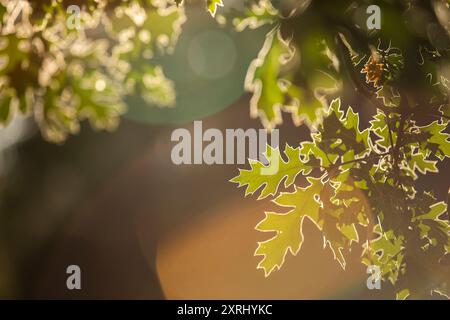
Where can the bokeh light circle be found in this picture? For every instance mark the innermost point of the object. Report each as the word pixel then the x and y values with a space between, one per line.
pixel 212 54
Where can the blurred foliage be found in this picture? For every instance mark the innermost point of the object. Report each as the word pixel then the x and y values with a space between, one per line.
pixel 359 177
pixel 63 70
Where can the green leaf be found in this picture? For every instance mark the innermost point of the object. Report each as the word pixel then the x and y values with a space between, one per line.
pixel 435 212
pixel 438 141
pixel 339 139
pixel 317 201
pixel 343 206
pixel 419 161
pixel 380 128
pixel 433 227
pixel 212 6
pixel 340 133
pixel 269 177
pixel 386 252
pixel 288 226
pixel 264 79
pixel 305 106
pixel 402 295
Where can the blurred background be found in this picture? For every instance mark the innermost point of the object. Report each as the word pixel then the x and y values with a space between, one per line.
pixel 141 227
